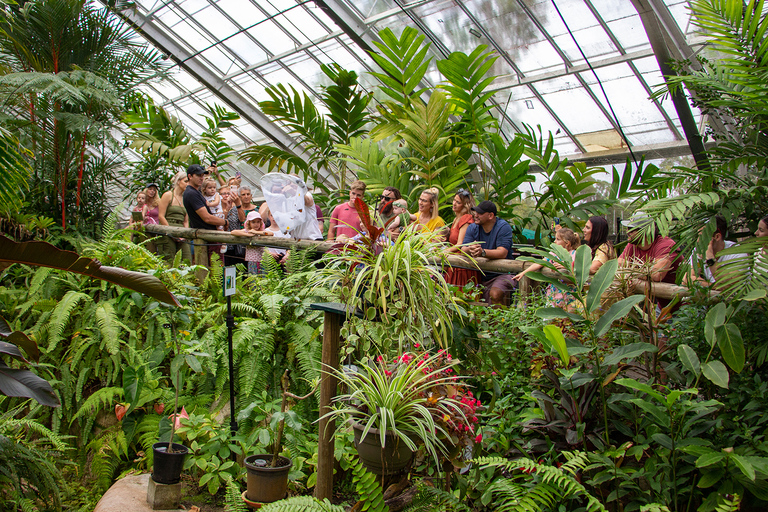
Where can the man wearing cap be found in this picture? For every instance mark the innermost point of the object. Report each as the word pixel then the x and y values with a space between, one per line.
pixel 647 244
pixel 200 216
pixel 491 237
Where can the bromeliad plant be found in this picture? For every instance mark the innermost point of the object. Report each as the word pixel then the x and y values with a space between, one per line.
pixel 416 397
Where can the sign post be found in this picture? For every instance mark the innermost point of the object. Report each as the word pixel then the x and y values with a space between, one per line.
pixel 229 284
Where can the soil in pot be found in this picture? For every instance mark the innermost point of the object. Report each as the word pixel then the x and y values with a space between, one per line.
pixel 390 460
pixel 265 483
pixel 168 465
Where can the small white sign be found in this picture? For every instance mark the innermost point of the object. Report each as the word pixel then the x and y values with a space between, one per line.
pixel 229 281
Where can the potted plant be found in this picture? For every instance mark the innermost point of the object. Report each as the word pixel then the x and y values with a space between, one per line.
pixel 397 285
pixel 396 406
pixel 267 479
pixel 168 457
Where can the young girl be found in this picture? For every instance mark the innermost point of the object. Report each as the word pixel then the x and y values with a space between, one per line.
pixel 569 241
pixel 213 199
pixel 141 198
pixel 280 255
pixel 254 225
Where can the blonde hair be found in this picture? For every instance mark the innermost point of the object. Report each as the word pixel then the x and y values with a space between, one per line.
pixel 209 181
pixel 178 177
pixel 357 185
pixel 154 202
pixel 434 193
pixel 570 237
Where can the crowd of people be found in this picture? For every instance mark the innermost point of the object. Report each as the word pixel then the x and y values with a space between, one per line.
pixel 198 201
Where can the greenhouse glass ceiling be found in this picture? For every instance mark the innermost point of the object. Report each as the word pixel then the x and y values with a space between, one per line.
pixel 581 68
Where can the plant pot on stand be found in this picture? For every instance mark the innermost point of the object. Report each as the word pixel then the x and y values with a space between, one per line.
pixel 389 460
pixel 168 464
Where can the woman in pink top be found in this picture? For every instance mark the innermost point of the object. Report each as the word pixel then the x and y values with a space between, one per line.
pixel 151 209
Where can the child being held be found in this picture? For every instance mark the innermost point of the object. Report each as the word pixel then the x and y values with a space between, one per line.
pixel 213 199
pixel 254 225
pixel 569 241
pixel 402 217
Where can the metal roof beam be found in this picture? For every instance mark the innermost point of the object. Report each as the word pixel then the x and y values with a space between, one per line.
pixel 210 80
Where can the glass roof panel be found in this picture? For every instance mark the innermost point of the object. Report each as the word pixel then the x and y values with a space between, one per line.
pixel 243 12
pixel 246 50
pixel 215 23
pixel 573 105
pixel 289 48
pixel 303 26
pixel 272 37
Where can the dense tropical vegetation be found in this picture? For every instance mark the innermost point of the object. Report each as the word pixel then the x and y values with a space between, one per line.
pixel 615 406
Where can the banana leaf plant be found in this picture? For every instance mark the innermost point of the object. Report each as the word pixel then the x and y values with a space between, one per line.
pixel 21 382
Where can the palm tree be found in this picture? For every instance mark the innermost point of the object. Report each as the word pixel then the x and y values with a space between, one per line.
pixel 68 67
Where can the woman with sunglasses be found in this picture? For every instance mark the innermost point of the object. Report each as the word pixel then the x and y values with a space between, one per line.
pixel 462 208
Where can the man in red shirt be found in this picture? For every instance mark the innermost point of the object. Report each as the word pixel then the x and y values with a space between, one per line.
pixel 344 219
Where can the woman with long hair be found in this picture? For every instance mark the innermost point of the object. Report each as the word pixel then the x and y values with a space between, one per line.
pixel 428 217
pixel 596 237
pixel 171 212
pixel 151 204
pixel 462 208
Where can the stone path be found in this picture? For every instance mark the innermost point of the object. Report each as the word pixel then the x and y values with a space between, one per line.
pixel 128 494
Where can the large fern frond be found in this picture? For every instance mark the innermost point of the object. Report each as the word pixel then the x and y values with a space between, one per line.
pixel 552 484
pixel 302 504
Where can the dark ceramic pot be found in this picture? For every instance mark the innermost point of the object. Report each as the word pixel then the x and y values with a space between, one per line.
pixel 392 459
pixel 167 467
pixel 267 484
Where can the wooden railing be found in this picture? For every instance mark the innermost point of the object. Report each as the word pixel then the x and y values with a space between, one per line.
pixel 201 237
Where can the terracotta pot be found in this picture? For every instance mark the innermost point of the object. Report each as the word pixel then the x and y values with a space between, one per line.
pixel 392 459
pixel 267 484
pixel 167 466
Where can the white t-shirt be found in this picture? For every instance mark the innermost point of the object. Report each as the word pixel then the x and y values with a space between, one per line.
pixel 707 271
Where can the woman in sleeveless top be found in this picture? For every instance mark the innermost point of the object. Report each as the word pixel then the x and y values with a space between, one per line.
pixel 462 207
pixel 173 213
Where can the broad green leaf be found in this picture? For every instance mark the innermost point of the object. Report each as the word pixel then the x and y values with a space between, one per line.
pixel 710 478
pixel 731 345
pixel 717 373
pixel 743 464
pixel 716 315
pixel 600 282
pixel 581 265
pixel 555 336
pixel 628 352
pixel 640 386
pixel 44 254
pixel 551 313
pixel 177 376
pixel 755 294
pixel 689 359
pixel 133 382
pixel 664 440
pixel 618 310
pixel 661 415
pixel 709 459
pixel 193 363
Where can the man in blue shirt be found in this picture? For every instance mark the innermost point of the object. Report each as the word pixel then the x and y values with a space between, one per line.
pixel 491 237
pixel 200 216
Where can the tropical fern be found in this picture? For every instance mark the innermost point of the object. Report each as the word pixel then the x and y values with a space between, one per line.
pixel 552 485
pixel 99 400
pixel 368 489
pixel 233 500
pixel 301 504
pixel 430 498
